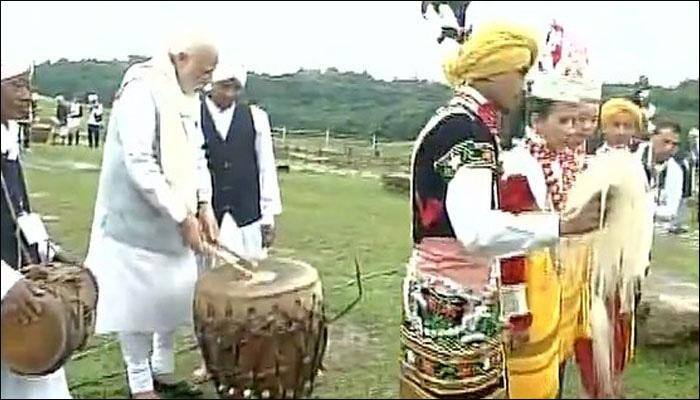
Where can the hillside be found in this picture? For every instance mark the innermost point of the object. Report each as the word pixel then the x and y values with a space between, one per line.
pixel 344 102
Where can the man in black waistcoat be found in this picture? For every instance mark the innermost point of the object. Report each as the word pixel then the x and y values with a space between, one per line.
pixel 241 160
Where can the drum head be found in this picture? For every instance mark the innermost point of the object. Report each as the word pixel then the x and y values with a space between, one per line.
pixel 271 277
pixel 35 349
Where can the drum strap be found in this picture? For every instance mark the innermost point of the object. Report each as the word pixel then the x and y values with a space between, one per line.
pixel 21 248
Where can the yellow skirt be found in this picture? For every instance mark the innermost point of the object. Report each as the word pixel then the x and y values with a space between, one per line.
pixel 533 368
pixel 574 258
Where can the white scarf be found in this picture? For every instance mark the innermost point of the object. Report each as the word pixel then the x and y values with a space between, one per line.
pixel 176 153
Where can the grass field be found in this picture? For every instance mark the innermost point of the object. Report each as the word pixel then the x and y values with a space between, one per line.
pixel 328 221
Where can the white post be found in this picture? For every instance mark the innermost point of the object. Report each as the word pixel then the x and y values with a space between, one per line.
pixel 374 142
pixel 284 134
pixel 328 137
pixel 695 145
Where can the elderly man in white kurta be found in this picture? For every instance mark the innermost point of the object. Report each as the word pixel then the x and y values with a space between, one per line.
pixel 17 293
pixel 240 154
pixel 154 182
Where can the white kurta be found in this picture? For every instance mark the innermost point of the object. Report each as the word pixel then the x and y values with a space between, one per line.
pixel 670 196
pixel 143 290
pixel 247 240
pixel 95 110
pixel 52 386
pixel 9 145
pixel 73 117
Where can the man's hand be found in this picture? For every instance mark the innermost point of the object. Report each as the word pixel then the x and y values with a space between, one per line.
pixel 268 235
pixel 207 222
pixel 585 219
pixel 22 299
pixel 35 272
pixel 191 234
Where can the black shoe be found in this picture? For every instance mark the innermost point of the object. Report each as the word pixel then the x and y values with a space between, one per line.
pixel 180 388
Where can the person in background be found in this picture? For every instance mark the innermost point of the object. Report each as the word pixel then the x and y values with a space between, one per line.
pixel 25 130
pixel 678 224
pixel 94 122
pixel 62 111
pixel 669 195
pixel 621 120
pixel 695 158
pixel 74 116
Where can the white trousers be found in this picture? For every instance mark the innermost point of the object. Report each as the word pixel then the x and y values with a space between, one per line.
pixel 147 355
pixel 52 386
pixel 679 218
pixel 244 240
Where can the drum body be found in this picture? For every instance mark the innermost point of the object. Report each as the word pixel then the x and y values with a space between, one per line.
pixel 66 322
pixel 261 339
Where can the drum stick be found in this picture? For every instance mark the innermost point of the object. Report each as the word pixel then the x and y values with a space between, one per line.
pixel 231 259
pixel 233 254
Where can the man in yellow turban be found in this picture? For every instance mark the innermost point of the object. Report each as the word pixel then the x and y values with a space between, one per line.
pixel 621 120
pixel 453 333
pixel 494 62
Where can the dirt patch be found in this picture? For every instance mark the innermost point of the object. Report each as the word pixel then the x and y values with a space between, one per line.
pixel 347 345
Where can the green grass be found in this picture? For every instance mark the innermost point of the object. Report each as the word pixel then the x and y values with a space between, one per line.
pixel 327 221
pixel 671 254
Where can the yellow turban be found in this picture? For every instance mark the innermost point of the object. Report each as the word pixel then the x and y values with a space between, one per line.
pixel 494 49
pixel 616 106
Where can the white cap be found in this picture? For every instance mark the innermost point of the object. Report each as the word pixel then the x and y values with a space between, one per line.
pixel 693 133
pixel 92 97
pixel 10 70
pixel 226 70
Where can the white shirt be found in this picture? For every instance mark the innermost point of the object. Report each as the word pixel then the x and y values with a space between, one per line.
pixel 670 196
pixel 74 116
pixel 74 110
pixel 95 110
pixel 270 201
pixel 10 140
pixel 135 112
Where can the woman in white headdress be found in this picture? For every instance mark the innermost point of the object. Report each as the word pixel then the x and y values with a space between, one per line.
pixel 548 165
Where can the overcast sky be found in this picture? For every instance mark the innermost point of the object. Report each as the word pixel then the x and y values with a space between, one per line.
pixel 386 39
